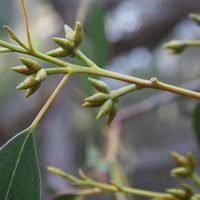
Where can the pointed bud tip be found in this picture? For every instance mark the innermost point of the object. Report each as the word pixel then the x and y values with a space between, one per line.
pixel 78 26
pixel 20 86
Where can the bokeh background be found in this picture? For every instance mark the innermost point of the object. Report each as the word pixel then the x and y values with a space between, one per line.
pixel 122 36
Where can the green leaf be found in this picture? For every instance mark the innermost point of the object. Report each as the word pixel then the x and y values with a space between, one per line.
pixel 19 170
pixel 66 197
pixel 96 32
pixel 196 122
pixel 67 194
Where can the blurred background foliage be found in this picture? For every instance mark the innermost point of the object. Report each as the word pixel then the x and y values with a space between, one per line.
pixel 125 37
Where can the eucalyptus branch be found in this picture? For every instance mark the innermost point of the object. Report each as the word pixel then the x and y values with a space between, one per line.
pixel 153 83
pixel 113 187
pixel 93 69
pixel 176 46
pixel 12 48
pixel 124 90
pixel 5 50
pixel 84 59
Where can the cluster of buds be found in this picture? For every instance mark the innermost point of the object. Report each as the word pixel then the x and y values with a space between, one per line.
pixel 102 99
pixel 187 193
pixel 175 46
pixel 35 75
pixel 186 165
pixel 73 39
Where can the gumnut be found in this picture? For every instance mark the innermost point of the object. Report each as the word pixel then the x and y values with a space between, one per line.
pixel 97 98
pixel 64 43
pixel 179 159
pixel 188 190
pixel 27 83
pixel 32 90
pixel 105 108
pixel 112 113
pixel 69 33
pixel 175 46
pixel 31 64
pixel 178 193
pixel 99 85
pixel 89 104
pixel 59 52
pixel 41 75
pixel 78 34
pixel 22 69
pixel 181 172
pixel 191 161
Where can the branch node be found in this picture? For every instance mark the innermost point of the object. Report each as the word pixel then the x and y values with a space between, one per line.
pixel 154 80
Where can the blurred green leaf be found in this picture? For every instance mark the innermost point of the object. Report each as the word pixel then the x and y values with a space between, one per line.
pixel 5 8
pixel 19 170
pixel 66 197
pixel 96 32
pixel 196 121
pixel 117 174
pixel 67 194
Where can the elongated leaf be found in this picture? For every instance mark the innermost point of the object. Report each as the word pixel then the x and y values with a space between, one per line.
pixel 196 122
pixel 66 197
pixel 67 194
pixel 96 32
pixel 19 171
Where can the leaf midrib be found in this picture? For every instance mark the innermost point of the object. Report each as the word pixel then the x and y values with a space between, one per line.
pixel 15 169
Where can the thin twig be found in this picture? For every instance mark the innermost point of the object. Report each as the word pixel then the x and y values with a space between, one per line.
pixel 152 102
pixel 26 24
pixel 50 100
pixel 104 187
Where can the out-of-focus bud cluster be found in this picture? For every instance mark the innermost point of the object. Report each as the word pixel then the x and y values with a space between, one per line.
pixel 73 39
pixel 35 75
pixel 102 99
pixel 187 193
pixel 186 165
pixel 175 46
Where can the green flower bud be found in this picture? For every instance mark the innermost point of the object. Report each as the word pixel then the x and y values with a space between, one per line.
pixel 89 104
pixel 191 161
pixel 41 75
pixel 69 33
pixel 196 197
pixel 27 83
pixel 22 69
pixel 195 18
pixel 59 52
pixel 78 34
pixel 179 159
pixel 30 64
pixel 99 85
pixel 97 98
pixel 67 28
pixel 181 172
pixel 105 108
pixel 178 193
pixel 175 46
pixel 64 43
pixel 112 113
pixel 32 90
pixel 188 190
